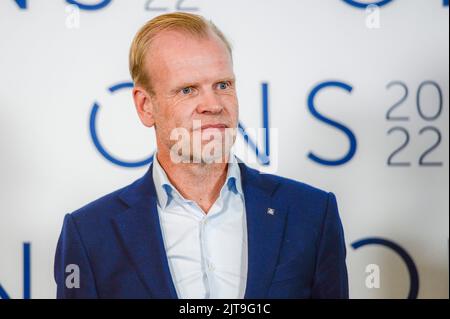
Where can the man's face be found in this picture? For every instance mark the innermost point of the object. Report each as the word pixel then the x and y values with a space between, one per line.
pixel 192 81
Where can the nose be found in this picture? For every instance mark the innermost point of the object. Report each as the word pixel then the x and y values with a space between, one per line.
pixel 209 102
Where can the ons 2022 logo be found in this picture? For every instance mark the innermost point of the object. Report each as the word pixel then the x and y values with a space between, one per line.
pixel 428 113
pixel 262 154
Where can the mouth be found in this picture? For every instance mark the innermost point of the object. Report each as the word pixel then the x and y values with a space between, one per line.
pixel 214 126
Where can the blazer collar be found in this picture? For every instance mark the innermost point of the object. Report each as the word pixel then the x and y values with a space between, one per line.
pixel 266 218
pixel 140 231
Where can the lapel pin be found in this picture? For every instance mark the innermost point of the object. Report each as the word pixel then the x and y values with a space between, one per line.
pixel 270 211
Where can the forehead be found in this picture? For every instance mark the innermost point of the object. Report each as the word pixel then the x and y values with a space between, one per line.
pixel 176 56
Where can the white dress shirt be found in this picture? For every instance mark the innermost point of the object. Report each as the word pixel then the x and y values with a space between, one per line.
pixel 207 253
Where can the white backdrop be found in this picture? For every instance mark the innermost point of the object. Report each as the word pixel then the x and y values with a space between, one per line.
pixel 56 60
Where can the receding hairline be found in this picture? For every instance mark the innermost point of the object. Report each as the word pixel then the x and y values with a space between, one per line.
pixel 208 36
pixel 190 24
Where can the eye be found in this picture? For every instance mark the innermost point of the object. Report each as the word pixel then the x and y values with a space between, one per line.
pixel 186 90
pixel 223 85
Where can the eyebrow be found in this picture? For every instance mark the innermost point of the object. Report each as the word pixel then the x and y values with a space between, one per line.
pixel 231 79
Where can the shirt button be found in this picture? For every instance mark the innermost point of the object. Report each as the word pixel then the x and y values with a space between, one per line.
pixel 211 267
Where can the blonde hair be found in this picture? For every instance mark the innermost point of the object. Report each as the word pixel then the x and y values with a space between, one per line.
pixel 193 24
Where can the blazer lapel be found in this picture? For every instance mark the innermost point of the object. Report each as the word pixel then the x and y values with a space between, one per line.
pixel 140 231
pixel 264 231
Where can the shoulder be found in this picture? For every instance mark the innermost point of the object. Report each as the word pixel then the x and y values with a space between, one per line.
pixel 99 212
pixel 307 207
pixel 96 215
pixel 119 200
pixel 289 189
pixel 100 205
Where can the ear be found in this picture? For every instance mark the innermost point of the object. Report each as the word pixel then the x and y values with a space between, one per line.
pixel 144 106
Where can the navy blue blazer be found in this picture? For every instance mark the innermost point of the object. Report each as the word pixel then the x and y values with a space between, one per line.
pixel 116 241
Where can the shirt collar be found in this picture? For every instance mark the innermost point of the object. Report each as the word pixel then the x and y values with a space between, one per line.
pixel 165 190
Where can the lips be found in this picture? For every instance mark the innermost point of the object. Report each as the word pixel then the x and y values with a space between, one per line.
pixel 212 126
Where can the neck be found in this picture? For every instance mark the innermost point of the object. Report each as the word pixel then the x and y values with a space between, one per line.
pixel 200 182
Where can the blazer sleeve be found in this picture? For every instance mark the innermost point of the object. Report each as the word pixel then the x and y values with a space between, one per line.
pixel 71 264
pixel 330 276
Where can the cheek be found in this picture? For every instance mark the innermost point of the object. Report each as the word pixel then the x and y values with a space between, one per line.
pixel 232 105
pixel 164 118
pixel 180 115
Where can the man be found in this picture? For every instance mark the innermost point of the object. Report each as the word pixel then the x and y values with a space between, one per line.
pixel 199 224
